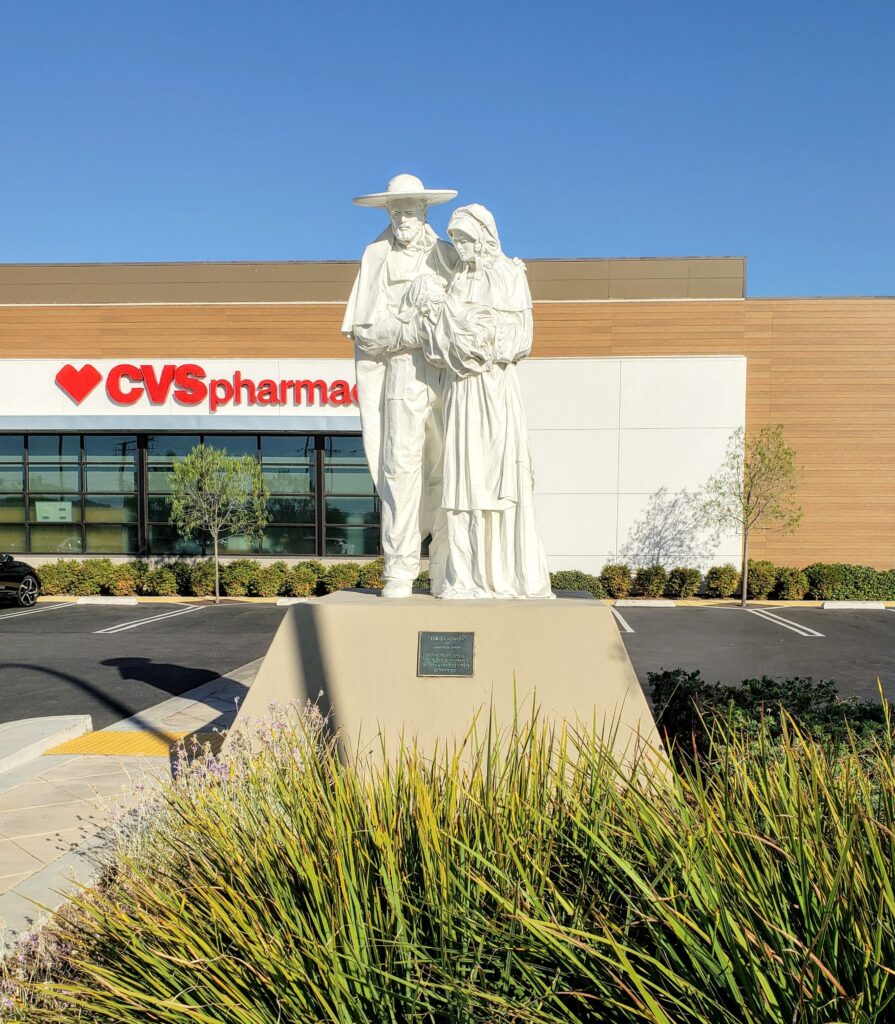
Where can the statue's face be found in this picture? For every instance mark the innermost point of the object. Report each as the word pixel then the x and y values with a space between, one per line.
pixel 464 244
pixel 408 217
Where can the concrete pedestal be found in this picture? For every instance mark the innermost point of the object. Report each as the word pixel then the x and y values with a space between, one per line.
pixel 356 655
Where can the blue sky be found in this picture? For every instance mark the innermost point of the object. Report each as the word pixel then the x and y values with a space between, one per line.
pixel 200 130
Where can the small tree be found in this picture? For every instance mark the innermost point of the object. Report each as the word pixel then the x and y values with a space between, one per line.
pixel 754 489
pixel 218 494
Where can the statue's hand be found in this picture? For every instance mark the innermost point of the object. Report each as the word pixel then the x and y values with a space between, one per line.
pixel 386 335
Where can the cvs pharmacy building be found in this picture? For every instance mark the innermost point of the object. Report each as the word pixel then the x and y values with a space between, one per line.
pixel 640 371
pixel 89 473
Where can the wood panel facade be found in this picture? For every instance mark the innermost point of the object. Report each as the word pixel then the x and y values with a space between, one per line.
pixel 824 368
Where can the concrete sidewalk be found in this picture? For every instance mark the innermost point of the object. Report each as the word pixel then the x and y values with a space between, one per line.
pixel 56 809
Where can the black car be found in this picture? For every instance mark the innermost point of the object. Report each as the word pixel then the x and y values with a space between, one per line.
pixel 19 581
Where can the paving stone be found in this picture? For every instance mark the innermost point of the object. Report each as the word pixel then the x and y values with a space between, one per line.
pixel 33 821
pixel 41 793
pixel 14 860
pixel 51 845
pixel 8 882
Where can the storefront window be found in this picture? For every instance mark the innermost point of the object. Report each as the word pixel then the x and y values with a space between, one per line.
pixel 12 508
pixel 165 540
pixel 112 540
pixel 54 478
pixel 12 448
pixel 233 444
pixel 352 511
pixel 47 539
pixel 122 479
pixel 110 508
pixel 12 539
pixel 110 448
pixel 287 448
pixel 11 478
pixel 165 447
pixel 75 494
pixel 287 540
pixel 54 448
pixel 351 508
pixel 289 479
pixel 351 542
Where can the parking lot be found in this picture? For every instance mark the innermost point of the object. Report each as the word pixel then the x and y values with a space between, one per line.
pixel 729 644
pixel 113 662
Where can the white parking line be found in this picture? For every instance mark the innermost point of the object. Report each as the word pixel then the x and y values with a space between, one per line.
pixel 36 611
pixel 621 621
pixel 796 627
pixel 135 623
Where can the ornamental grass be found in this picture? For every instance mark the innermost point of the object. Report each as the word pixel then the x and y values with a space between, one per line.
pixel 532 880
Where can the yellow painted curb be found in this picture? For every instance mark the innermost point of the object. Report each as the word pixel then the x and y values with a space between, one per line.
pixel 131 743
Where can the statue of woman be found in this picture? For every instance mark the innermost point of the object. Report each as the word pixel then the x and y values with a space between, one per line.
pixel 479 326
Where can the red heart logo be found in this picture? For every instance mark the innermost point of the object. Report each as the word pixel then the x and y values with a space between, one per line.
pixel 78 384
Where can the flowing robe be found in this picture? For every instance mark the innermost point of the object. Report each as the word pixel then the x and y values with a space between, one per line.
pixel 399 395
pixel 483 330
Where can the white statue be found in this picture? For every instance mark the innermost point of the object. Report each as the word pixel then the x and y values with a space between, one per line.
pixel 479 326
pixel 399 392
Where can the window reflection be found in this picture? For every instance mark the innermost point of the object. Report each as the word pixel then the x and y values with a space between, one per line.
pixel 83 492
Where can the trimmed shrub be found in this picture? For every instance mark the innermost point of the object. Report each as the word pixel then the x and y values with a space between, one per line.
pixel 683 582
pixel 160 582
pixel 839 582
pixel 370 574
pixel 616 579
pixel 722 580
pixel 651 580
pixel 340 576
pixel 125 580
pixel 195 579
pixel 825 581
pixel 572 579
pixel 301 581
pixel 423 581
pixel 57 577
pixel 91 577
pixel 237 576
pixel 792 584
pixel 762 579
pixel 269 580
pixel 317 567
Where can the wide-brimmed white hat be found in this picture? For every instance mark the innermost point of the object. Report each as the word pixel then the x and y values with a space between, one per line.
pixel 406 186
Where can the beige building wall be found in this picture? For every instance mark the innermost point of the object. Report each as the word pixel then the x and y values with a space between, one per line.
pixel 824 368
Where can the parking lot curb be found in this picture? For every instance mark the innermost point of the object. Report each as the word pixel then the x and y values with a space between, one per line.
pixel 644 603
pixel 832 606
pixel 29 738
pixel 127 601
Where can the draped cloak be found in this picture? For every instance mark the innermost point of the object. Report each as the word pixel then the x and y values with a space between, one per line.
pixel 484 329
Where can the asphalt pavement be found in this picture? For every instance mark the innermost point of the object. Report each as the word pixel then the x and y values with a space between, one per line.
pixel 112 662
pixel 730 644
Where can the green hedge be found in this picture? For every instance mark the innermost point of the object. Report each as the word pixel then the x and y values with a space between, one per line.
pixel 838 582
pixel 687 709
pixel 250 577
pixel 571 579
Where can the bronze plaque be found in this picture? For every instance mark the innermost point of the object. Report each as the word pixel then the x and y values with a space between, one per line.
pixel 445 654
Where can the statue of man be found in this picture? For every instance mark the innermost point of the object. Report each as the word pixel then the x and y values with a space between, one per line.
pixel 399 393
